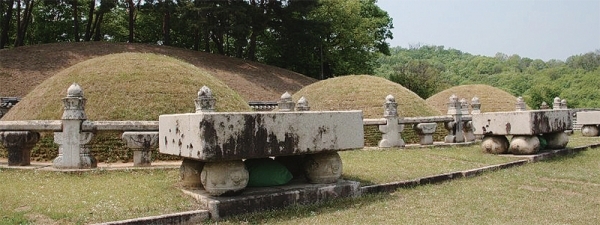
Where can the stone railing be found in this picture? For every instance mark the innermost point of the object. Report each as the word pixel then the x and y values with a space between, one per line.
pixel 73 133
pixel 457 122
pixel 262 106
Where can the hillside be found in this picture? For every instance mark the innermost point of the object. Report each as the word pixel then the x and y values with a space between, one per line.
pixel 23 68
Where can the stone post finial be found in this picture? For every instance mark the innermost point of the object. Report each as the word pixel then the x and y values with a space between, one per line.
pixel 556 103
pixel 475 106
pixel 390 107
pixel 205 101
pixel 464 106
pixel 544 106
pixel 520 105
pixel 286 104
pixel 563 104
pixel 302 104
pixel 74 104
pixel 453 105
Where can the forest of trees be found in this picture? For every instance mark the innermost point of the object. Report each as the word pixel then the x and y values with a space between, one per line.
pixel 427 70
pixel 317 38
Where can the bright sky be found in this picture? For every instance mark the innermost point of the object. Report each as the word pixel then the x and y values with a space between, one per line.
pixel 538 29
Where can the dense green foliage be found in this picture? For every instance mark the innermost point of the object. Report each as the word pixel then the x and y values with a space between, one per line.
pixel 427 70
pixel 318 38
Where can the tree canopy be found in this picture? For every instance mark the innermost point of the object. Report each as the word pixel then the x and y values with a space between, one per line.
pixel 318 38
pixel 427 70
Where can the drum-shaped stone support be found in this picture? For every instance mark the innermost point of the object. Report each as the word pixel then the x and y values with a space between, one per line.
pixel 589 130
pixel 524 144
pixel 189 173
pixel 225 177
pixel 323 168
pixel 557 140
pixel 494 144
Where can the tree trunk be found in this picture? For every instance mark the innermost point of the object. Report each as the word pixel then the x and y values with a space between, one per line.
pixel 23 21
pixel 97 25
pixel 75 20
pixel 131 19
pixel 88 28
pixel 6 24
pixel 167 27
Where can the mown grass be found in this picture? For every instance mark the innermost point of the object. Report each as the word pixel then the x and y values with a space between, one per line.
pixel 564 190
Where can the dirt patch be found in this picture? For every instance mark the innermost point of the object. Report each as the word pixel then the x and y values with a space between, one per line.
pixel 23 68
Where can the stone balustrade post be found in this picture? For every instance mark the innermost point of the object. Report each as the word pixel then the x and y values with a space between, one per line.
pixel 520 105
pixel 391 131
pixel 73 150
pixel 468 131
pixel 19 145
pixel 142 144
pixel 563 104
pixel 455 130
pixel 475 105
pixel 285 104
pixel 425 132
pixel 205 101
pixel 544 106
pixel 302 105
pixel 556 103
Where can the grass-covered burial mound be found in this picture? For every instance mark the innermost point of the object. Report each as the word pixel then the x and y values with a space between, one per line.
pixel 492 99
pixel 126 86
pixel 366 93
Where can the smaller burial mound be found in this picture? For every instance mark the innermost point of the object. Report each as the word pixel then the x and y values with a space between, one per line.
pixel 492 99
pixel 366 93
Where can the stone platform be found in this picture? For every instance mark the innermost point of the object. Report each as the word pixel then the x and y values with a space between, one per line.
pixel 254 199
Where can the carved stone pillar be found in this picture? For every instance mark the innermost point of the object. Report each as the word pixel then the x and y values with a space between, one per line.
pixel 205 101
pixel 520 105
pixel 391 132
pixel 455 130
pixel 73 150
pixel 285 104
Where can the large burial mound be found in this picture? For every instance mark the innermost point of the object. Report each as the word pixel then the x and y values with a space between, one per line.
pixel 492 99
pixel 23 68
pixel 127 86
pixel 366 93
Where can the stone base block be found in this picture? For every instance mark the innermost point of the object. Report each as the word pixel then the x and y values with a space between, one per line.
pixel 255 199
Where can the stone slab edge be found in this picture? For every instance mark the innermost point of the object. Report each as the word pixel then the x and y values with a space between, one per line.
pixel 219 207
pixel 190 217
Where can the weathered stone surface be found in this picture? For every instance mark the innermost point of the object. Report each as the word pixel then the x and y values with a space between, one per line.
pixel 142 144
pixel 532 122
pixel 189 173
pixel 323 168
pixel 495 144
pixel 19 145
pixel 589 130
pixel 224 178
pixel 425 131
pixel 588 118
pixel 255 199
pixel 227 136
pixel 556 140
pixel 524 145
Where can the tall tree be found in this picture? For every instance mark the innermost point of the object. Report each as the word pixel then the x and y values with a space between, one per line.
pixel 24 18
pixel 6 21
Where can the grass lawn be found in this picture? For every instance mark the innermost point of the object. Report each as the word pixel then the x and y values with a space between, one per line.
pixel 564 190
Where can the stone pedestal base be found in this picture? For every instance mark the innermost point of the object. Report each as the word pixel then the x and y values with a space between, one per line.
pixel 323 168
pixel 495 144
pixel 557 140
pixel 190 173
pixel 224 178
pixel 19 145
pixel 589 130
pixel 524 145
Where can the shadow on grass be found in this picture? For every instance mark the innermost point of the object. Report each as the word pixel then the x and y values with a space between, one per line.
pixel 363 182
